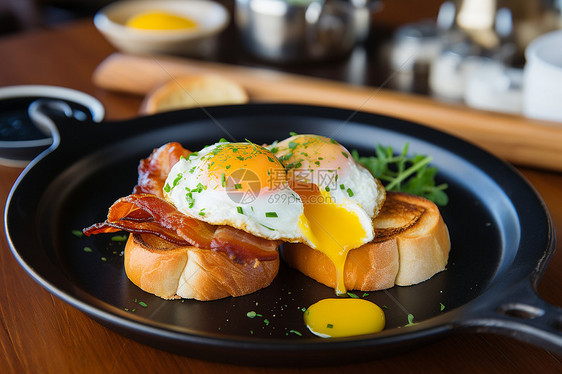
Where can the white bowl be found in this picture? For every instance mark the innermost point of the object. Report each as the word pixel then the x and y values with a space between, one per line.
pixel 211 18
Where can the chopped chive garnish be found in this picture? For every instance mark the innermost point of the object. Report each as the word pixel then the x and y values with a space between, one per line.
pixel 167 188
pixel 88 249
pixel 104 259
pixel 270 159
pixel 342 187
pixel 333 141
pixel 189 199
pixel 292 145
pixel 177 180
pixel 119 238
pixel 327 189
pixel 223 140
pixel 77 233
pixel 317 163
pixel 330 326
pixel 192 169
pixel 292 133
pixel 240 210
pixel 442 306
pixel 143 304
pixel 365 294
pixel 352 295
pixel 295 332
pixel 253 314
pixel 274 150
pixel 238 186
pixel 345 154
pixel 228 167
pixel 410 320
pixel 241 158
pixel 269 228
pixel 266 322
pixel 349 192
pixel 271 214
pixel 223 180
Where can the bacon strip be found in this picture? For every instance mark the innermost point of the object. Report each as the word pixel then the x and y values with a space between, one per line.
pixel 244 247
pixel 149 214
pixel 154 170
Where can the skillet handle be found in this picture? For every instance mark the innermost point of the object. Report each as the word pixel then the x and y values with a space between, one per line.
pixel 521 314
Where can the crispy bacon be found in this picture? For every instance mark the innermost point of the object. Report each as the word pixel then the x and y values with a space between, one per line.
pixel 154 170
pixel 145 213
pixel 244 247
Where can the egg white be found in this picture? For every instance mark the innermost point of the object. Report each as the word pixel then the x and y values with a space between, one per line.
pixel 213 204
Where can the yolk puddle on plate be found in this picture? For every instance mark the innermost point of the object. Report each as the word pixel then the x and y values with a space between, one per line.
pixel 332 318
pixel 159 20
pixel 333 229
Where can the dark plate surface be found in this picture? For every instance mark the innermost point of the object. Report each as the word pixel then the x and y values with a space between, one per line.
pixel 500 231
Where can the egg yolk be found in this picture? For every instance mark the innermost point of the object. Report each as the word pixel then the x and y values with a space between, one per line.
pixel 157 20
pixel 243 167
pixel 332 318
pixel 333 229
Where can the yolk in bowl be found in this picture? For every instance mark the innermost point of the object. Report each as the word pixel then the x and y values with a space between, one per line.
pixel 159 20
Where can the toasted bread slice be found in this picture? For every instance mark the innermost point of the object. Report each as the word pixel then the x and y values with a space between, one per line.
pixel 411 244
pixel 172 272
pixel 193 91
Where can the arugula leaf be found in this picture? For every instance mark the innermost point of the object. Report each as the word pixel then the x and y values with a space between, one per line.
pixel 403 173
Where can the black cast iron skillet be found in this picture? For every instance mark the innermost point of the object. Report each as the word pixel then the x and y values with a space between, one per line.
pixel 502 239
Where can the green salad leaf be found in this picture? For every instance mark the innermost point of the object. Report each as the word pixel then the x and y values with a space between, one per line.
pixel 403 173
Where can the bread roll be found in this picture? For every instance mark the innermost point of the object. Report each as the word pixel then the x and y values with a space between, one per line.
pixel 411 244
pixel 172 272
pixel 193 91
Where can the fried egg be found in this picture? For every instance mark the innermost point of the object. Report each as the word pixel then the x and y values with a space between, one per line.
pixel 340 197
pixel 242 185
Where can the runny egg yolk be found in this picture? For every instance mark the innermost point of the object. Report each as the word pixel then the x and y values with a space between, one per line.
pixel 334 223
pixel 332 318
pixel 160 20
pixel 332 228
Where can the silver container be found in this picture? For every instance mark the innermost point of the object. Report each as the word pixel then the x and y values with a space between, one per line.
pixel 302 30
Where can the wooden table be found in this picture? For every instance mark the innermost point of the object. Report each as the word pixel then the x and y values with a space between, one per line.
pixel 41 334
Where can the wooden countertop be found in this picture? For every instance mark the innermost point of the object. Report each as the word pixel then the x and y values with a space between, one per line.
pixel 40 333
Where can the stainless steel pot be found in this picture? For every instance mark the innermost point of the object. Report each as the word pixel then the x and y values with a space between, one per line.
pixel 302 30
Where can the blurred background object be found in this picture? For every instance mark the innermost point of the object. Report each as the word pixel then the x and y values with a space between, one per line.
pixel 543 78
pixel 21 15
pixel 454 50
pixel 179 27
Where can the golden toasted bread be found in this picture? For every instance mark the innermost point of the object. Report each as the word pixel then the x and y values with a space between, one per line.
pixel 172 272
pixel 411 245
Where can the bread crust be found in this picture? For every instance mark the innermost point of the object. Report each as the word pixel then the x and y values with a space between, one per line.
pixel 172 272
pixel 411 245
pixel 193 91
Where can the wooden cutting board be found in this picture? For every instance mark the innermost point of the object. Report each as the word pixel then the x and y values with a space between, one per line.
pixel 517 139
